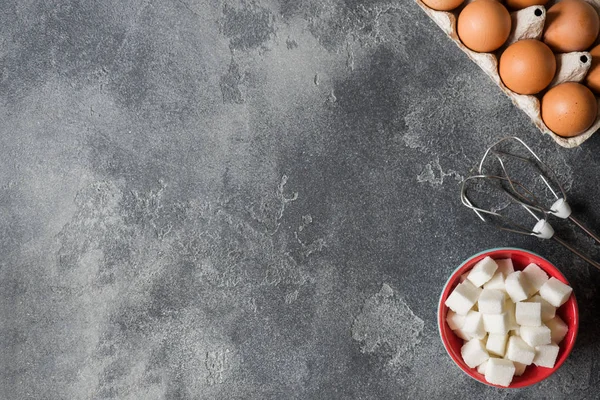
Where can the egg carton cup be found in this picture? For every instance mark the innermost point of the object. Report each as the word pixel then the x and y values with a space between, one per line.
pixel 527 23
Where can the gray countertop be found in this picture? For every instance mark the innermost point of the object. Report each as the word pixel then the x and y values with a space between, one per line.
pixel 250 200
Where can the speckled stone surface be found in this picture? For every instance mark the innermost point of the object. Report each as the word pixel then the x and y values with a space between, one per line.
pixel 208 199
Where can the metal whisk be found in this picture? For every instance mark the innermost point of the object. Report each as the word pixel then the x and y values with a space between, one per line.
pixel 524 197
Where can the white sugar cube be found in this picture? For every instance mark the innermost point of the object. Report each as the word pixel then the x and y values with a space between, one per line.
pixel 454 320
pixel 555 292
pixel 536 276
pixel 473 353
pixel 519 351
pixel 545 355
pixel 497 282
pixel 528 314
pixel 481 367
pixel 499 371
pixel 496 323
pixel 491 301
pixel 509 306
pixel 516 331
pixel 463 297
pixel 519 368
pixel 505 266
pixel 462 334
pixel 548 310
pixel 558 329
pixel 536 335
pixel 482 271
pixel 463 277
pixel 473 325
pixel 517 286
pixel 496 343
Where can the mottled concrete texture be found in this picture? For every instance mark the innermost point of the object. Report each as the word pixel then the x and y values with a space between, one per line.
pixel 206 199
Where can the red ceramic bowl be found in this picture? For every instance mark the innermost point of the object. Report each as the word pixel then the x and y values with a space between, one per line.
pixel 568 312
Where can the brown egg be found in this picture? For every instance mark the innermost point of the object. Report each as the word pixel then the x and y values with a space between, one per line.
pixel 571 25
pixel 569 109
pixel 520 4
pixel 484 25
pixel 527 66
pixel 592 80
pixel 443 5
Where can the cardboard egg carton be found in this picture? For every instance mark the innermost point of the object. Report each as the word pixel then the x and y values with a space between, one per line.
pixel 527 23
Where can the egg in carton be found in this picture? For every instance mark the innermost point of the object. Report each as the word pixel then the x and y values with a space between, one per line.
pixel 527 23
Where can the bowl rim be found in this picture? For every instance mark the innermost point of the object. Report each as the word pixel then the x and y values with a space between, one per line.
pixel 440 319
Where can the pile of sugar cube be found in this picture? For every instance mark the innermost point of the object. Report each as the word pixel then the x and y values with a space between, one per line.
pixel 507 318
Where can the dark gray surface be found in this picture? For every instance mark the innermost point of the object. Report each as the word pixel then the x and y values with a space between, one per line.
pixel 220 200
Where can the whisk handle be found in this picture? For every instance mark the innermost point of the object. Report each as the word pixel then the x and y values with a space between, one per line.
pixel 583 228
pixel 576 252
